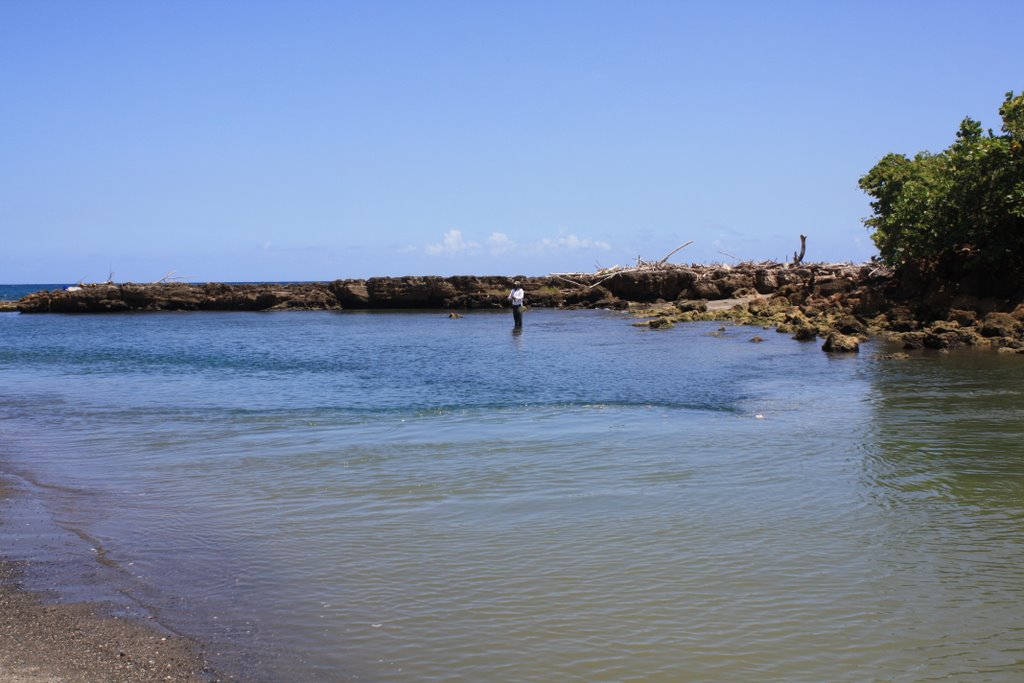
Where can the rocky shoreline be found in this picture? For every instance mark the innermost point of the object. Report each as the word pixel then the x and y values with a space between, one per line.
pixel 841 303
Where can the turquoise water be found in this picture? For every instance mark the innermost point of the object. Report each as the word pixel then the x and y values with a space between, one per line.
pixel 405 497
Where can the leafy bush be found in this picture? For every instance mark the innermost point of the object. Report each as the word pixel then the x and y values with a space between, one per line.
pixel 963 206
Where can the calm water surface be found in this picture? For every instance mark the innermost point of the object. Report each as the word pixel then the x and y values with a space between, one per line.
pixel 404 497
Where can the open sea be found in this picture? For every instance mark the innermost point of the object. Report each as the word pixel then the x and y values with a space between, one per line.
pixel 15 292
pixel 401 496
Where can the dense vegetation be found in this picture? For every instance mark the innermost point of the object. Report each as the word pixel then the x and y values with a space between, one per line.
pixel 958 212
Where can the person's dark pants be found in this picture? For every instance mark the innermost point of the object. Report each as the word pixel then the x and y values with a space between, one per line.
pixel 517 315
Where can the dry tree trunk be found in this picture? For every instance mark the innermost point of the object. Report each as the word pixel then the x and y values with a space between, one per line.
pixel 797 258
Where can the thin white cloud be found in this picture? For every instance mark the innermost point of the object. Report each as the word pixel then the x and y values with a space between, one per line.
pixel 451 243
pixel 572 243
pixel 454 242
pixel 500 243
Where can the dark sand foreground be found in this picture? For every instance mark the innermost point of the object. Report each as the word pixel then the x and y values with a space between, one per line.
pixel 83 643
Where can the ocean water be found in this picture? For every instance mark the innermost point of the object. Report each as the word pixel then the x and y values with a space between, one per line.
pixel 407 497
pixel 15 292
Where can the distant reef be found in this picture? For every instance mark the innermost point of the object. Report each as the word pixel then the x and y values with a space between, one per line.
pixel 840 303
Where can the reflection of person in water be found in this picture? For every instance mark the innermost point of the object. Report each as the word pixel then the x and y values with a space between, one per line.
pixel 516 297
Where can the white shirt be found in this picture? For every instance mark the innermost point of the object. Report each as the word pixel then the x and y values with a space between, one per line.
pixel 516 297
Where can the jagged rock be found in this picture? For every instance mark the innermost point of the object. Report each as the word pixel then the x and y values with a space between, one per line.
pixel 912 340
pixel 949 335
pixel 829 286
pixel 734 284
pixel 902 319
pixel 943 326
pixel 999 325
pixel 688 305
pixel 595 296
pixel 841 343
pixel 707 289
pixel 940 340
pixel 765 281
pixel 850 325
pixel 648 287
pixel 350 293
pixel 805 333
pixel 963 318
pixel 410 292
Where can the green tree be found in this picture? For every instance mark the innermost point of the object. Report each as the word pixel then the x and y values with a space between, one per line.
pixel 963 206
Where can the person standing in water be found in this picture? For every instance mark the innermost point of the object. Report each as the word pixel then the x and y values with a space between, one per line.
pixel 516 297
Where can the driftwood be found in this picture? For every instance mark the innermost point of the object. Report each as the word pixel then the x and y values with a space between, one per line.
pixel 737 258
pixel 588 281
pixel 701 272
pixel 798 258
pixel 170 277
pixel 680 247
pixel 608 273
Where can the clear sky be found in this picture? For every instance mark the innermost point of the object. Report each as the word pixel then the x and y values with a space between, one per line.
pixel 313 140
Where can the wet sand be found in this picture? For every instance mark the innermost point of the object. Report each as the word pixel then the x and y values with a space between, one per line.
pixel 47 642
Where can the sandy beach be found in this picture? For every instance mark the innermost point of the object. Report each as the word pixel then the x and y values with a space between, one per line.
pixel 52 642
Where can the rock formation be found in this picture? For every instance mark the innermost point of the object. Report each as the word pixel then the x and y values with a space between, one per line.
pixel 804 300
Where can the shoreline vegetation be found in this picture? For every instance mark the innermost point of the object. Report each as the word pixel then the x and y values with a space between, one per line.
pixel 843 304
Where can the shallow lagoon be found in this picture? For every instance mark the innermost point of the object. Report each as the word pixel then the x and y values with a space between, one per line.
pixel 401 496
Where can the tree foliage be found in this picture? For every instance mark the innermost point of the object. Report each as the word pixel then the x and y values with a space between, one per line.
pixel 964 205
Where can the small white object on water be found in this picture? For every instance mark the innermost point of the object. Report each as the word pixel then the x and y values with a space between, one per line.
pixel 759 416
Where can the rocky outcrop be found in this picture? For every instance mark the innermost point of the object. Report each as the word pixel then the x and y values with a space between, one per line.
pixel 847 304
pixel 129 297
pixel 414 292
pixel 806 301
pixel 840 343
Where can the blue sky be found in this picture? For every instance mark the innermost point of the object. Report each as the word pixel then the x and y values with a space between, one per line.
pixel 317 140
